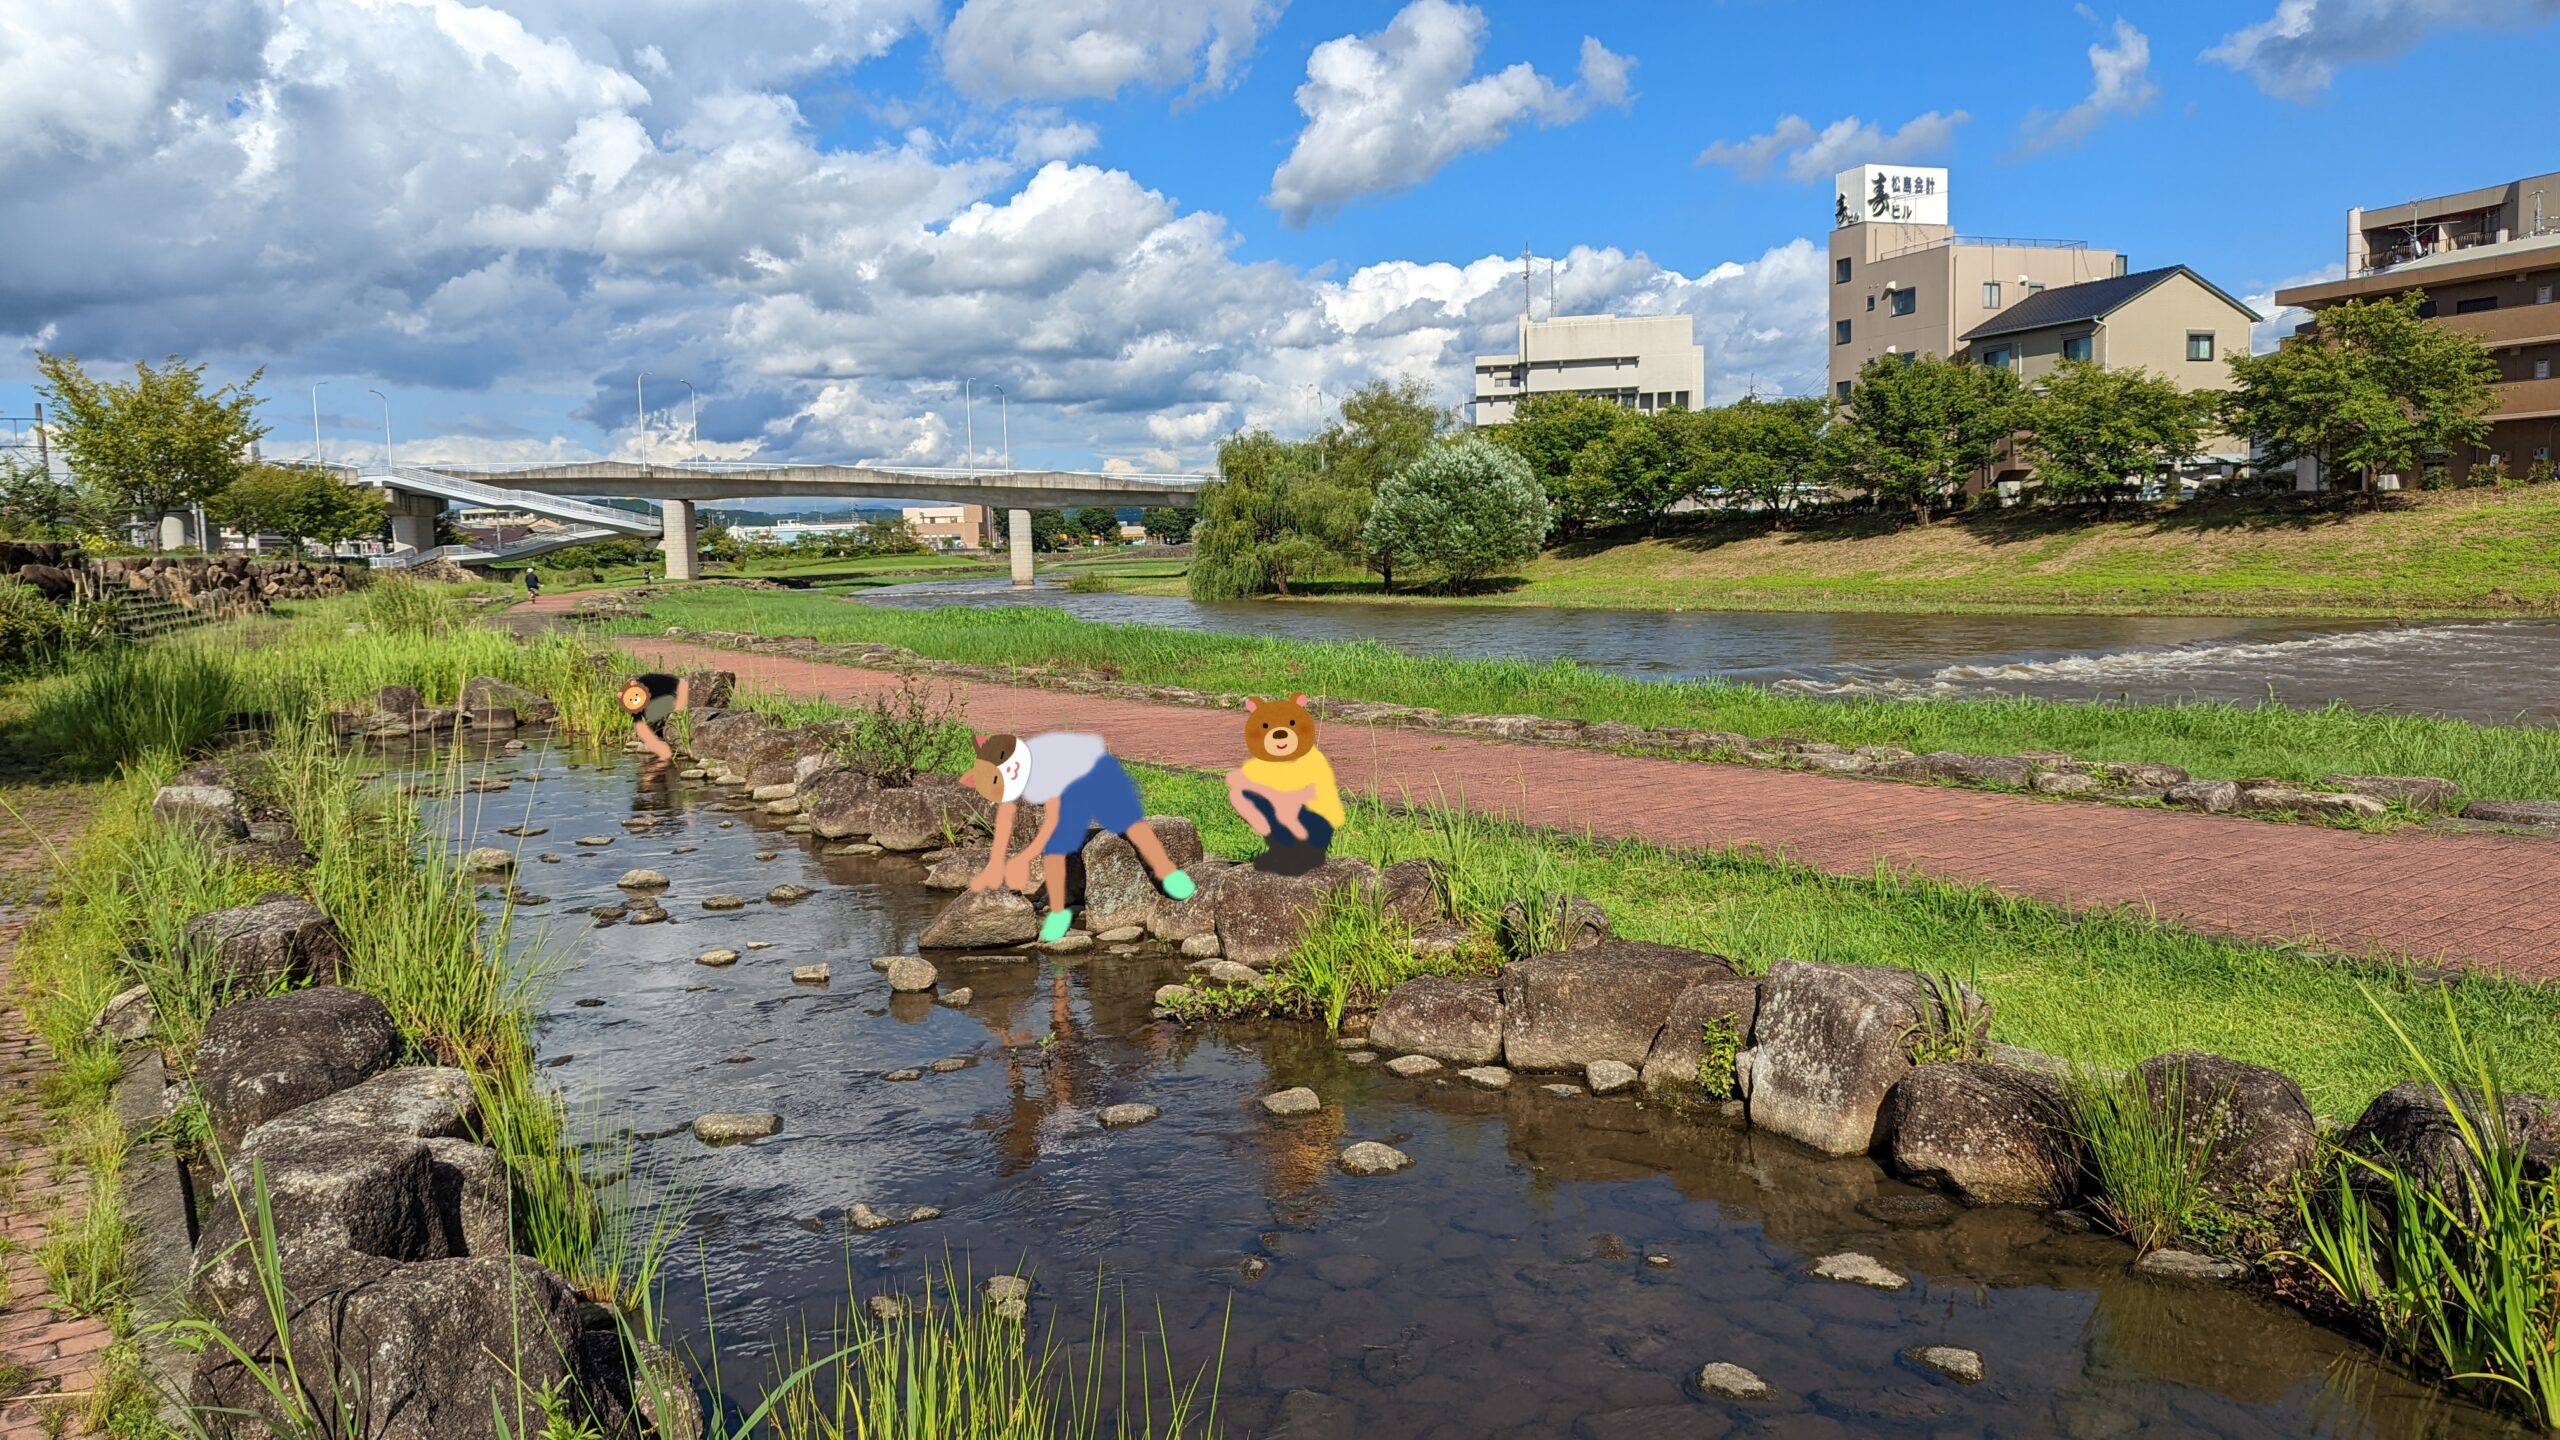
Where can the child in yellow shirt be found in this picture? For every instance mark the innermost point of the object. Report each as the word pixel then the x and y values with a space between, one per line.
pixel 1285 788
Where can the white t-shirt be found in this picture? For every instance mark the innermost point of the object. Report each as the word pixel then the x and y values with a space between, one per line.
pixel 1042 765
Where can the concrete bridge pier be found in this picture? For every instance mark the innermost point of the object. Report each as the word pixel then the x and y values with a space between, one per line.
pixel 413 519
pixel 684 561
pixel 1017 543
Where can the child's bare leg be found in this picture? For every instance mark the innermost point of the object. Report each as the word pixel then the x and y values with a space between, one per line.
pixel 1150 849
pixel 1054 881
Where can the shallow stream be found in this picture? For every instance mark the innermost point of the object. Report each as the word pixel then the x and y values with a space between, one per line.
pixel 1550 1265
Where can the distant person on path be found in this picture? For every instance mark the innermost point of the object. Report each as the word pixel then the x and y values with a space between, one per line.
pixel 1076 777
pixel 532 584
pixel 649 700
pixel 1285 788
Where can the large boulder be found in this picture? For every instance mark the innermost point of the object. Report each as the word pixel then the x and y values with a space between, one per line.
pixel 729 734
pixel 2513 812
pixel 1118 890
pixel 711 689
pixel 1259 917
pixel 977 918
pixel 959 866
pixel 2255 1127
pixel 1449 1018
pixel 917 817
pixel 213 811
pixel 482 693
pixel 2411 1125
pixel 1180 920
pixel 1726 1004
pixel 1991 1134
pixel 1566 1010
pixel 1829 1043
pixel 398 701
pixel 1410 891
pixel 260 1058
pixel 2425 794
pixel 280 939
pixel 446 1349
pixel 833 804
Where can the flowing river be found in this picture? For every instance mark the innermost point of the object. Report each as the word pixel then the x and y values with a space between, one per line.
pixel 2496 672
pixel 1550 1266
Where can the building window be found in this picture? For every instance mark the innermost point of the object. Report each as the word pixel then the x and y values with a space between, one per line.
pixel 2541 294
pixel 2541 369
pixel 1840 271
pixel 2078 347
pixel 1680 399
pixel 1997 357
pixel 1990 294
pixel 2034 288
pixel 1905 301
pixel 2475 305
pixel 1871 302
pixel 1839 332
pixel 1840 391
pixel 2199 345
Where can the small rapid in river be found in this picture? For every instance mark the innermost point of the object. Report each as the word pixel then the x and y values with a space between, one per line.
pixel 1551 1265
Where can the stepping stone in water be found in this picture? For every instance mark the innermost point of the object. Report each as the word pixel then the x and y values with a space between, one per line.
pixel 759 944
pixel 768 854
pixel 722 1129
pixel 1118 1117
pixel 1122 935
pixel 948 1064
pixel 1859 1269
pixel 788 894
pixel 724 902
pixel 524 832
pixel 1608 1077
pixel 595 842
pixel 809 974
pixel 1368 1157
pixel 904 1075
pixel 863 1217
pixel 958 999
pixel 1953 1361
pixel 1732 1382
pixel 1491 1077
pixel 909 974
pixel 1295 1101
pixel 2190 1267
pixel 1410 1066
pixel 650 916
pixel 1562 1092
pixel 642 880
pixel 716 958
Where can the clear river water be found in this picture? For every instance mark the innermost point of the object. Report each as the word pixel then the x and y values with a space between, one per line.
pixel 2499 672
pixel 1550 1265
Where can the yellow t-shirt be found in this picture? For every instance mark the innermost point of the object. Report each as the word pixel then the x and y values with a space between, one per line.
pixel 1297 773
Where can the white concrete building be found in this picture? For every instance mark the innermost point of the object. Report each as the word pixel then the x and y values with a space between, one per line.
pixel 1644 362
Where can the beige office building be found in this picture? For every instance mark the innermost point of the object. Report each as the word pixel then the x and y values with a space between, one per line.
pixel 1903 282
pixel 948 527
pixel 1644 362
pixel 2488 262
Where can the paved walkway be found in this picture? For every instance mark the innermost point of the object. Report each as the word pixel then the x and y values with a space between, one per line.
pixel 52 1361
pixel 2489 902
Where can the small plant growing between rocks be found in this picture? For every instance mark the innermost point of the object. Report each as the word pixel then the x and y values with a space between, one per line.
pixel 1717 1053
pixel 906 731
pixel 2145 1173
pixel 1954 1025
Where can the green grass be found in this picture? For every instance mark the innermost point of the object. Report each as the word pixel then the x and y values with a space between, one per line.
pixel 2145 1176
pixel 2213 740
pixel 2473 552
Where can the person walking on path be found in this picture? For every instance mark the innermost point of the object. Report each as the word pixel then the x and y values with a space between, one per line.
pixel 532 584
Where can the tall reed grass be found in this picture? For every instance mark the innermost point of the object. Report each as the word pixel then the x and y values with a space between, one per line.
pixel 2458 1273
pixel 2144 1173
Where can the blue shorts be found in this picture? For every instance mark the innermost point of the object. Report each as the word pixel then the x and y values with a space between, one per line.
pixel 1103 796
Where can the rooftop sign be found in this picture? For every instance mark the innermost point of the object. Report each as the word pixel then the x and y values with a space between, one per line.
pixel 1890 194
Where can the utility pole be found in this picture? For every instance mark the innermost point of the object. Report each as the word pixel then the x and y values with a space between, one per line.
pixel 969 429
pixel 693 422
pixel 44 456
pixel 386 424
pixel 317 458
pixel 1004 405
pixel 641 395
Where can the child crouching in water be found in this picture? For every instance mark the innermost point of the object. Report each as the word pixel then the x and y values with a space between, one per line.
pixel 1083 787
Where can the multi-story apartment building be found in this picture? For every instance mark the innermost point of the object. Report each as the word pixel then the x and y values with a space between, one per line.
pixel 1644 362
pixel 948 527
pixel 2488 263
pixel 1903 282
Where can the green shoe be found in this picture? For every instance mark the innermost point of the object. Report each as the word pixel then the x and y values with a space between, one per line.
pixel 1053 926
pixel 1179 886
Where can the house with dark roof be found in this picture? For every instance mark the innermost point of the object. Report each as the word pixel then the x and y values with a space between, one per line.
pixel 2171 321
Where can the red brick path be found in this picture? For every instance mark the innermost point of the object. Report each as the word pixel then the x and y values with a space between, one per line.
pixel 63 1355
pixel 2488 902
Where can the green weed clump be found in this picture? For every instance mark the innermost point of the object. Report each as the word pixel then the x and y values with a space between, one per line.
pixel 2458 1273
pixel 1719 1054
pixel 2144 1172
pixel 117 706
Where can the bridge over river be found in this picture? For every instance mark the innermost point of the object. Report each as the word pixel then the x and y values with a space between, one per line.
pixel 419 493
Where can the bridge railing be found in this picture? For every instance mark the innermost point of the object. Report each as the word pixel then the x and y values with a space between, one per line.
pixel 454 487
pixel 922 472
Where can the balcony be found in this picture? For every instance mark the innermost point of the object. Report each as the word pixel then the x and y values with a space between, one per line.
pixel 2527 400
pixel 2515 325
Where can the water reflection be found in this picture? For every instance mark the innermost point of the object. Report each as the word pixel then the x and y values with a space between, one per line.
pixel 1549 1267
pixel 2488 671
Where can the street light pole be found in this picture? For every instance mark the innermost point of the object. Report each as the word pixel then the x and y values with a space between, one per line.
pixel 641 395
pixel 969 428
pixel 386 424
pixel 1005 409
pixel 693 426
pixel 316 457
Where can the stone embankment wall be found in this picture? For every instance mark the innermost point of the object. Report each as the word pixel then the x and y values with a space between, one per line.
pixel 2043 772
pixel 223 585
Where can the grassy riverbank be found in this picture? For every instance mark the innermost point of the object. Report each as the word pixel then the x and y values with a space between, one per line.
pixel 2209 739
pixel 2467 552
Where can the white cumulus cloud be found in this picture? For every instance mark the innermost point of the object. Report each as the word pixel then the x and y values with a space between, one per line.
pixel 1811 155
pixel 2295 52
pixel 1386 111
pixel 2120 84
pixel 1092 49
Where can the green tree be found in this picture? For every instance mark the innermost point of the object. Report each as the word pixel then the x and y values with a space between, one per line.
pixel 1551 432
pixel 1915 429
pixel 2096 434
pixel 892 535
pixel 159 443
pixel 2371 387
pixel 1464 509
pixel 1168 524
pixel 714 540
pixel 1756 452
pixel 1276 512
pixel 35 506
pixel 1093 525
pixel 1632 474
pixel 300 505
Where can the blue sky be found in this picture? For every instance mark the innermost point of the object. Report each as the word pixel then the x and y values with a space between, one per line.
pixel 1152 224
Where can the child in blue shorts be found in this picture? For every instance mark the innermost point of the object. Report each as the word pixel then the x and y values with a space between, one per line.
pixel 1075 776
